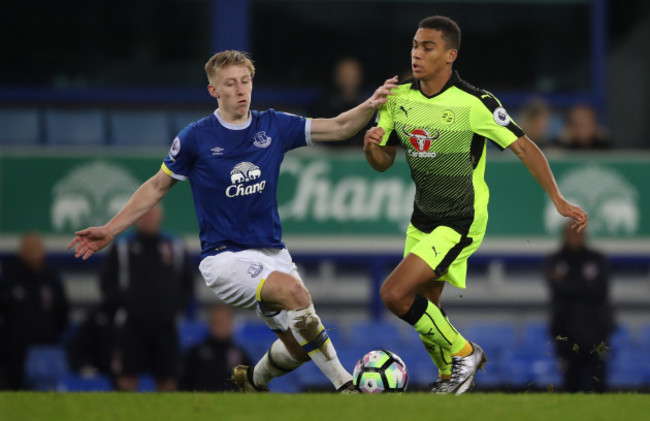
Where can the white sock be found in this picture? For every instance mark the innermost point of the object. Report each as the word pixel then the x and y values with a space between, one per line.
pixel 276 362
pixel 311 335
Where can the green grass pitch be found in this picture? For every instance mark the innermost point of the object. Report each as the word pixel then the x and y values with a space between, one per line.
pixel 113 406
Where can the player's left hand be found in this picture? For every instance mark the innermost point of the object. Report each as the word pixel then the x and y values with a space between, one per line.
pixel 380 96
pixel 90 240
pixel 568 209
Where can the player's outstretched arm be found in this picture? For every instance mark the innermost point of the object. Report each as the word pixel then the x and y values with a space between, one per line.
pixel 90 240
pixel 380 158
pixel 536 162
pixel 348 123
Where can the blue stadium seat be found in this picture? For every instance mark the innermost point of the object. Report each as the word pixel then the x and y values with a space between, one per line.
pixel 254 337
pixel 532 361
pixel 372 335
pixel 334 332
pixel 191 333
pixel 45 366
pixel 288 383
pixel 620 340
pixel 493 337
pixel 146 383
pixel 74 127
pixel 629 368
pixel 536 334
pixel 311 378
pixel 180 119
pixel 76 383
pixel 20 126
pixel 140 128
pixel 491 376
pixel 420 368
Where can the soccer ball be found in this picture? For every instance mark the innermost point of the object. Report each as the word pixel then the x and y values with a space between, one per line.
pixel 380 371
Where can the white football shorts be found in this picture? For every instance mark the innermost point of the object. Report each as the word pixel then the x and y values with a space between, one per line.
pixel 237 277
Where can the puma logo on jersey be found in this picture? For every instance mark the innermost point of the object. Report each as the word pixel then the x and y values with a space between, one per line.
pixel 406 112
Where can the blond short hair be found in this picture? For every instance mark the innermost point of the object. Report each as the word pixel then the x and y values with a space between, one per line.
pixel 225 59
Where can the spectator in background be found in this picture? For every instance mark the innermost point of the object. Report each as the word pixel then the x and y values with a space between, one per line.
pixel 33 308
pixel 90 350
pixel 208 365
pixel 534 120
pixel 148 278
pixel 581 130
pixel 582 317
pixel 347 93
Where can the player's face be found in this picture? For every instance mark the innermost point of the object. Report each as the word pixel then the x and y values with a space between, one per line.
pixel 429 54
pixel 234 86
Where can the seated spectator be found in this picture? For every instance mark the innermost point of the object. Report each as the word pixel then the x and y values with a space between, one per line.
pixel 581 130
pixel 348 93
pixel 208 365
pixel 534 119
pixel 33 308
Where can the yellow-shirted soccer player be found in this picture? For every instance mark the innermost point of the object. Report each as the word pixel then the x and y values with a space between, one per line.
pixel 442 123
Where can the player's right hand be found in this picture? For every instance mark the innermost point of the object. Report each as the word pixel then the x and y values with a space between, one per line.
pixel 90 240
pixel 372 138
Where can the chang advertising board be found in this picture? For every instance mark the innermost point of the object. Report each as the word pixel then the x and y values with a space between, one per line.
pixel 327 195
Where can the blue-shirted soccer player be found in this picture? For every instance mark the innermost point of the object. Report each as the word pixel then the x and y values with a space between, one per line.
pixel 232 159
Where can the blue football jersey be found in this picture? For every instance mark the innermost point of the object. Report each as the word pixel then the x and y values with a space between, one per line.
pixel 233 172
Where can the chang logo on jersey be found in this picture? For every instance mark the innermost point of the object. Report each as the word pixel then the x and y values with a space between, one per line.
pixel 262 140
pixel 421 141
pixel 241 177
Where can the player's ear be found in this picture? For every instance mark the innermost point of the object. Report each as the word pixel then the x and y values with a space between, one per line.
pixel 452 54
pixel 212 91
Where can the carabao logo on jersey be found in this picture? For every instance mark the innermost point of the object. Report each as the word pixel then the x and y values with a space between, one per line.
pixel 421 141
pixel 420 138
pixel 262 140
pixel 242 178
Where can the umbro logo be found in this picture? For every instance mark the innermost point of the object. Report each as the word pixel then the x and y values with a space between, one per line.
pixel 217 150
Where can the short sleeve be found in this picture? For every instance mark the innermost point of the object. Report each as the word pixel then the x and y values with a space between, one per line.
pixel 295 130
pixel 385 121
pixel 491 120
pixel 181 155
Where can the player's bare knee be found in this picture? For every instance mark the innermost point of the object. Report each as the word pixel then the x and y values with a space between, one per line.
pixel 393 299
pixel 297 296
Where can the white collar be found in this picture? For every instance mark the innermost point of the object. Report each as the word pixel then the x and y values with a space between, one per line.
pixel 231 126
